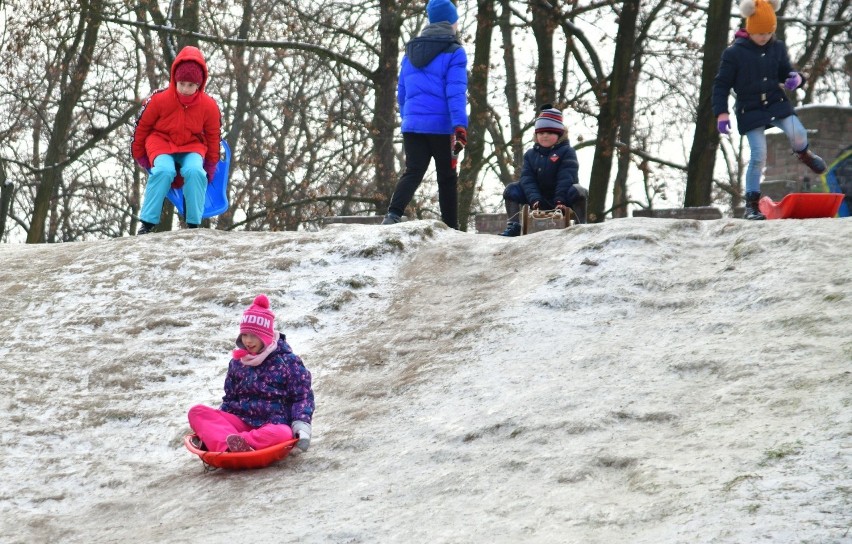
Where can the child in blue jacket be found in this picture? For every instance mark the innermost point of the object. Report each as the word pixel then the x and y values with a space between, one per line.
pixel 757 68
pixel 549 177
pixel 432 98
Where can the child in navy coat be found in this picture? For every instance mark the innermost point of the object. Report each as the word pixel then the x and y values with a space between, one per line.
pixel 757 68
pixel 549 175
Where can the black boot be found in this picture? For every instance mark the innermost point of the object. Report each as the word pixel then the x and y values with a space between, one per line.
pixel 192 225
pixel 146 228
pixel 812 161
pixel 513 228
pixel 752 211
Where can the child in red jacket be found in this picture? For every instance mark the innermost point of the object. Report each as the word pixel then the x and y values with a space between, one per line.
pixel 179 127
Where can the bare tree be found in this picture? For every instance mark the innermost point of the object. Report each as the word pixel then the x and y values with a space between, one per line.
pixel 705 141
pixel 474 156
pixel 73 70
pixel 614 98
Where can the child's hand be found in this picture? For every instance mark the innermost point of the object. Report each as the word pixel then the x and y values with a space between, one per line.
pixel 144 163
pixel 302 431
pixel 535 205
pixel 461 139
pixel 210 169
pixel 793 81
pixel 723 123
pixel 562 208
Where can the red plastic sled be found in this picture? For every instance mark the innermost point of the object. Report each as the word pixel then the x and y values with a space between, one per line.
pixel 243 459
pixel 801 206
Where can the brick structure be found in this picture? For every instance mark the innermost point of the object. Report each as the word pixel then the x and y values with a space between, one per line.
pixel 829 133
pixel 698 212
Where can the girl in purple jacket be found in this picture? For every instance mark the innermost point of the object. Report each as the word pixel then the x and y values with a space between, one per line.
pixel 268 396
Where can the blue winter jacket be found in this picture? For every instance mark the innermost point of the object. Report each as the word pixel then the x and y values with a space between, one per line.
pixel 278 390
pixel 550 173
pixel 432 87
pixel 756 74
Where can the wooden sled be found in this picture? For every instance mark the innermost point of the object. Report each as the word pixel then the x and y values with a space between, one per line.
pixel 538 220
pixel 239 460
pixel 801 206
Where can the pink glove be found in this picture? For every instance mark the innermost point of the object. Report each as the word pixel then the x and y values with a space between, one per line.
pixel 793 81
pixel 210 168
pixel 144 163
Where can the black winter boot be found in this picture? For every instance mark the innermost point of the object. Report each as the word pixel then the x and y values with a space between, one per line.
pixel 812 161
pixel 752 211
pixel 512 229
pixel 146 228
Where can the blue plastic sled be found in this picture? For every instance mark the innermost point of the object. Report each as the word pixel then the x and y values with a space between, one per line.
pixel 216 199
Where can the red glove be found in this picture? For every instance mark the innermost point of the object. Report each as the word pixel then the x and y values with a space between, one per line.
pixel 144 163
pixel 562 208
pixel 461 139
pixel 534 205
pixel 210 168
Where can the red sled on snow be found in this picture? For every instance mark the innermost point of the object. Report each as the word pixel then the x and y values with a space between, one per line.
pixel 801 206
pixel 238 460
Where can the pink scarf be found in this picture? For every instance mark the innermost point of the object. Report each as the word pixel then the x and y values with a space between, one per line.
pixel 248 359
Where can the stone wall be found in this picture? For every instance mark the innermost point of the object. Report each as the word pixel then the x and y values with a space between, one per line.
pixel 829 133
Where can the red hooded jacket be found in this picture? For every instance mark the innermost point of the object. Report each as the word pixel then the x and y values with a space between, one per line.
pixel 166 126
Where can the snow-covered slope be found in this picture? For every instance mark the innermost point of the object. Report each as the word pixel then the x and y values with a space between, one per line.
pixel 642 381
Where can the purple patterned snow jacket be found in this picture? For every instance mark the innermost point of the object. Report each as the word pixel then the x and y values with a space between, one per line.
pixel 278 390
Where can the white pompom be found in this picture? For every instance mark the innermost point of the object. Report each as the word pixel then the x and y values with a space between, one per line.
pixel 776 4
pixel 747 8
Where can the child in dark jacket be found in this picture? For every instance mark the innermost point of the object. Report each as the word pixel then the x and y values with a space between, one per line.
pixel 268 396
pixel 178 127
pixel 757 68
pixel 549 177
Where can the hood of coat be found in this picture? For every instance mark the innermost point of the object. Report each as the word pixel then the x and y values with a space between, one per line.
pixel 434 40
pixel 188 53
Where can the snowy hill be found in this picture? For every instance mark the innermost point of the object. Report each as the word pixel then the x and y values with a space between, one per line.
pixel 641 381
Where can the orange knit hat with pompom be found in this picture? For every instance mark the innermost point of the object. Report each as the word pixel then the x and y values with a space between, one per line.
pixel 760 15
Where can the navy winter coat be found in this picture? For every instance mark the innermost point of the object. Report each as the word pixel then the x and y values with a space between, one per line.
pixel 432 88
pixel 550 173
pixel 756 74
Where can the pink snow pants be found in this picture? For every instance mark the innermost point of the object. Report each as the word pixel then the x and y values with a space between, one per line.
pixel 213 427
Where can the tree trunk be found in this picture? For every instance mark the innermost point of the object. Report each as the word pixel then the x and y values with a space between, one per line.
pixel 516 150
pixel 612 100
pixel 384 110
pixel 705 141
pixel 6 189
pixel 625 136
pixel 74 76
pixel 243 105
pixel 479 112
pixel 544 21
